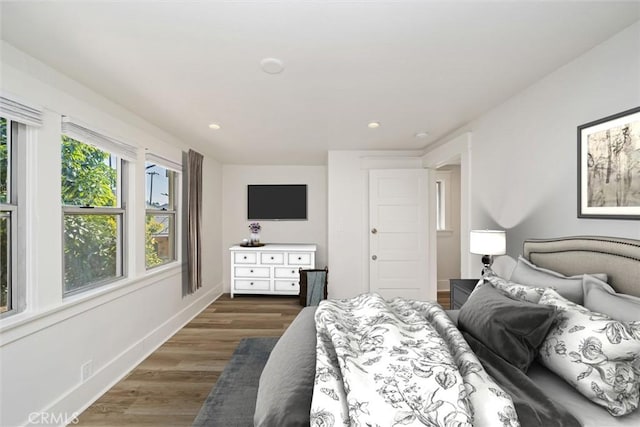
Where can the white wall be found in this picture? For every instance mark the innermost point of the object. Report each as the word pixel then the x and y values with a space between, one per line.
pixel 235 179
pixel 524 157
pixel 348 214
pixel 115 326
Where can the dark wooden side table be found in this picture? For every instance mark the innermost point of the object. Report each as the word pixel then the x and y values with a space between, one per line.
pixel 460 291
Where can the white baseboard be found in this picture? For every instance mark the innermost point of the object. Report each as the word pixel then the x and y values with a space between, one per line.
pixel 77 400
pixel 443 285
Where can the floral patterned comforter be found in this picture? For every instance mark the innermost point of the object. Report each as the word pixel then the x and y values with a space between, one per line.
pixel 399 363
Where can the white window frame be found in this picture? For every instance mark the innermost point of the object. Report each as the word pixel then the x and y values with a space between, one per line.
pixel 176 169
pixel 10 210
pixel 443 200
pixel 23 119
pixel 120 210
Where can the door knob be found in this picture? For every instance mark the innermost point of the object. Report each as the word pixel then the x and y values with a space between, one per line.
pixel 374 231
pixel 374 257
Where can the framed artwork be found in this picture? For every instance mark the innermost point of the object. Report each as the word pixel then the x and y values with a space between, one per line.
pixel 609 167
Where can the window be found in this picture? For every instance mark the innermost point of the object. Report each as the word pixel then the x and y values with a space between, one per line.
pixel 94 215
pixel 8 213
pixel 440 206
pixel 18 122
pixel 160 229
pixel 444 206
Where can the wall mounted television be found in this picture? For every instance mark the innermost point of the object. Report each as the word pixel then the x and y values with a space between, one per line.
pixel 277 202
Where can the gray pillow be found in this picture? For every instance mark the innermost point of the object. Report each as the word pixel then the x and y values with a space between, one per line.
pixel 601 298
pixel 286 383
pixel 529 274
pixel 511 328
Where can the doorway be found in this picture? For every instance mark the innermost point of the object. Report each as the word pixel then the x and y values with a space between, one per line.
pixel 447 200
pixel 456 151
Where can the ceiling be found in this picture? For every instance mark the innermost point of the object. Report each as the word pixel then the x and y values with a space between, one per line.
pixel 411 65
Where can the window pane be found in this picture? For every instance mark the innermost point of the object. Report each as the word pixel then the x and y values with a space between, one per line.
pixel 5 246
pixel 4 161
pixel 159 193
pixel 91 249
pixel 439 206
pixel 159 241
pixel 89 175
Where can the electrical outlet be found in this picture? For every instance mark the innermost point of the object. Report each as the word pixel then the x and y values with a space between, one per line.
pixel 86 370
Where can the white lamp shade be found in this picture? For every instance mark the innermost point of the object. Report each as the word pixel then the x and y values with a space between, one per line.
pixel 488 242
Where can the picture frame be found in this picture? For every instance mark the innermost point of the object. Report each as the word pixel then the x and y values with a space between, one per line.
pixel 609 167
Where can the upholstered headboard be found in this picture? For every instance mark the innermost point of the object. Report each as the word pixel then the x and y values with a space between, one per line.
pixel 617 257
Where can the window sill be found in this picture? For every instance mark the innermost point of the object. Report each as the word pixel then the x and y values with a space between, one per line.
pixel 444 232
pixel 19 325
pixel 162 267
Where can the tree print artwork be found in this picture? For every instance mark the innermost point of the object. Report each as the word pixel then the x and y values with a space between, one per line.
pixel 609 176
pixel 614 166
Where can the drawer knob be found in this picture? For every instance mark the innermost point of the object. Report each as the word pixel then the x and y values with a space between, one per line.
pixel 293 284
pixel 271 257
pixel 244 257
pixel 251 283
pixel 251 271
pixel 299 258
pixel 293 271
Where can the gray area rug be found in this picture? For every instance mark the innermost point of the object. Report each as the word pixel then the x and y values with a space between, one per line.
pixel 232 401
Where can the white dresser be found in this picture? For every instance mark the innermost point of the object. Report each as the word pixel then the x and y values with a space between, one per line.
pixel 270 269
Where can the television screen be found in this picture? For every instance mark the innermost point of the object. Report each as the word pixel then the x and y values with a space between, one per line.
pixel 277 202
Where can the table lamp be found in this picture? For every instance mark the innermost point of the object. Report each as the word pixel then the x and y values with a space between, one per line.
pixel 487 243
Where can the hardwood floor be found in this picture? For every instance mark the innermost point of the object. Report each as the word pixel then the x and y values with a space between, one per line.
pixel 169 386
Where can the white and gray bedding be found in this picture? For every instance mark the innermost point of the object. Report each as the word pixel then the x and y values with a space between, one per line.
pixel 539 396
pixel 399 362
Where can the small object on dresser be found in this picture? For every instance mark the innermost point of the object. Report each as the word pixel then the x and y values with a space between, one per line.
pixel 255 233
pixel 460 291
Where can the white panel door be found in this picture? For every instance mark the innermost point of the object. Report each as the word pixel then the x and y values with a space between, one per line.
pixel 398 230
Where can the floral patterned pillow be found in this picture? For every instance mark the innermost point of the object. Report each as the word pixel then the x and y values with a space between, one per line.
pixel 515 290
pixel 598 356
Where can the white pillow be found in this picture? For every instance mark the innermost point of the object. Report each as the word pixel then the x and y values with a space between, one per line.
pixel 530 274
pixel 598 356
pixel 600 297
pixel 503 265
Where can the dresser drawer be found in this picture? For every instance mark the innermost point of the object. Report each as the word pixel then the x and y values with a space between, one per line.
pixel 299 258
pixel 287 286
pixel 251 272
pixel 245 258
pixel 272 258
pixel 287 272
pixel 251 285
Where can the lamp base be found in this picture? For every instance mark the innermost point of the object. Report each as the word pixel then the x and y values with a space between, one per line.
pixel 487 260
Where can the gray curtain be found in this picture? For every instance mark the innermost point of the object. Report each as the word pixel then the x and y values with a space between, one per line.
pixel 194 220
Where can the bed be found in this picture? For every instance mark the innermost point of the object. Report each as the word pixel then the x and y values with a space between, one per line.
pixel 286 391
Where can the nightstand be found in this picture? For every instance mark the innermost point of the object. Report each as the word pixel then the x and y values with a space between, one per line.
pixel 460 291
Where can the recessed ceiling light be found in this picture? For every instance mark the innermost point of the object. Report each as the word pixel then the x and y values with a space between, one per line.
pixel 272 65
pixel 214 126
pixel 422 134
pixel 373 125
